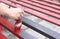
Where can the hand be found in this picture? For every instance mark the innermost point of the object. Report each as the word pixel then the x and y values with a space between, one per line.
pixel 15 13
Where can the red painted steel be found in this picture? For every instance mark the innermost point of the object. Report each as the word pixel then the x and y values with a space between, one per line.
pixel 37 15
pixel 39 9
pixel 40 16
pixel 48 0
pixel 10 26
pixel 47 3
pixel 1 29
pixel 2 36
pixel 53 7
pixel 46 7
pixel 52 2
